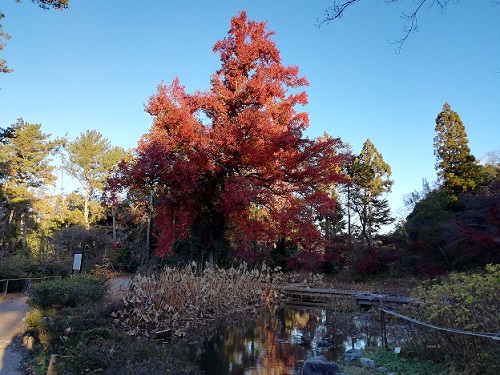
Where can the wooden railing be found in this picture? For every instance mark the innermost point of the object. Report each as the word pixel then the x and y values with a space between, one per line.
pixel 27 282
pixel 323 296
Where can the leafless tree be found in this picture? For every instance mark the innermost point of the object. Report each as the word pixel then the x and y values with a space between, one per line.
pixel 338 8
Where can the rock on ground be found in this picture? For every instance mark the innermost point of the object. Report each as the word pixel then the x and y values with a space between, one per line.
pixel 320 366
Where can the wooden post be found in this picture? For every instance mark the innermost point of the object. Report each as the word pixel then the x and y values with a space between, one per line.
pixel 383 329
pixel 27 285
pixel 52 363
pixel 5 287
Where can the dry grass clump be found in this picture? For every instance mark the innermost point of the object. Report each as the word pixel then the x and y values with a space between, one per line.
pixel 179 299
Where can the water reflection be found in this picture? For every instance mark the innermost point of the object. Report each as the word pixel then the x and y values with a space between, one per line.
pixel 279 341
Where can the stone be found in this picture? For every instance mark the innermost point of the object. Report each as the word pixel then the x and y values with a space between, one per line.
pixel 320 366
pixel 367 362
pixel 351 355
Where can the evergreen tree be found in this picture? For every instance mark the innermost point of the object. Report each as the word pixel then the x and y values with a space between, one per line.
pixel 91 158
pixel 456 166
pixel 370 179
pixel 25 168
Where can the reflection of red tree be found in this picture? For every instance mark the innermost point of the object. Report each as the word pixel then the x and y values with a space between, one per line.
pixel 271 344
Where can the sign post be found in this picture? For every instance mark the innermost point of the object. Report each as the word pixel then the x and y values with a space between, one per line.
pixel 77 262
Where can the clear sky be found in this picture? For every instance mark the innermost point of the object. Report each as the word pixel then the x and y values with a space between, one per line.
pixel 94 66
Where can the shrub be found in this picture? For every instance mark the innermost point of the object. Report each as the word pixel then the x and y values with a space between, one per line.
pixel 88 343
pixel 305 261
pixel 68 292
pixel 19 266
pixel 467 302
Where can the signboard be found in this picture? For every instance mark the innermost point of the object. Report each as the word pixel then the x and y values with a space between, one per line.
pixel 77 262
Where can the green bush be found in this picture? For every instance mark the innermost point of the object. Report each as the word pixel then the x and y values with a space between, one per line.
pixel 68 292
pixel 18 266
pixel 466 302
pixel 14 266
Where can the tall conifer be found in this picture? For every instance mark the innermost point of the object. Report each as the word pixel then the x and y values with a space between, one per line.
pixel 456 166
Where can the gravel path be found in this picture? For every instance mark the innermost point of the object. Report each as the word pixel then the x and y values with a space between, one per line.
pixel 12 313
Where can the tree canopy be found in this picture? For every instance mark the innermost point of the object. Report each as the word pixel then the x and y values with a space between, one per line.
pixel 370 179
pixel 456 166
pixel 231 162
pixel 44 4
pixel 25 169
pixel 91 158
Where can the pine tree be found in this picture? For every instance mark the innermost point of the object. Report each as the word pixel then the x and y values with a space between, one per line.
pixel 370 179
pixel 91 158
pixel 25 168
pixel 456 166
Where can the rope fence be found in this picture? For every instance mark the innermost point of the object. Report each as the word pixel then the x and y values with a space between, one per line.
pixel 492 336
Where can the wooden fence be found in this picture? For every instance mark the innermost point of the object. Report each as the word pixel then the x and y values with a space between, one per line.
pixel 27 282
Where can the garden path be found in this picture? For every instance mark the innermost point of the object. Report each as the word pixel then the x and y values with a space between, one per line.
pixel 12 313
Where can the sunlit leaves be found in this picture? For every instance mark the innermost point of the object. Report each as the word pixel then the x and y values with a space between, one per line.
pixel 215 157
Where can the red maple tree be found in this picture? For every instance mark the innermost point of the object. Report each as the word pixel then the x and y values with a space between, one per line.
pixel 231 162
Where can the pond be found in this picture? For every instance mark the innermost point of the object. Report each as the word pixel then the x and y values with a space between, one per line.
pixel 279 341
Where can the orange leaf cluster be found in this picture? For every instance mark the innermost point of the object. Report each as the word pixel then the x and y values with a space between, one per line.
pixel 233 158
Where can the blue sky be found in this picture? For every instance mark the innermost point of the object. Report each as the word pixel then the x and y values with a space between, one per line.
pixel 94 66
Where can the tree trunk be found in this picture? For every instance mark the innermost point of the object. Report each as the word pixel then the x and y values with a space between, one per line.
pixel 349 230
pixel 24 233
pixel 86 207
pixel 148 227
pixel 113 214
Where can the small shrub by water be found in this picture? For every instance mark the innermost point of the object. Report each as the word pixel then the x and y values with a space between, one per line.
pixel 467 302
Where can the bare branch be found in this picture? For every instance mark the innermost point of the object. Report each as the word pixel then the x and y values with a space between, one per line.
pixel 335 11
pixel 413 21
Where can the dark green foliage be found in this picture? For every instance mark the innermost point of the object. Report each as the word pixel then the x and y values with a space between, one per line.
pixel 369 178
pixel 425 229
pixel 93 243
pixel 472 236
pixel 446 234
pixel 19 266
pixel 123 355
pixel 456 166
pixel 68 292
pixel 6 133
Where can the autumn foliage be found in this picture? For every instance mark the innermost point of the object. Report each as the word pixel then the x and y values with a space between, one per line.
pixel 231 163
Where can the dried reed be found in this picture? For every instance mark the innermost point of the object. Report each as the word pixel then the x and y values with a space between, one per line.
pixel 178 299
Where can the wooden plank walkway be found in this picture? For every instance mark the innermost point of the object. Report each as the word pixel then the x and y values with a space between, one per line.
pixel 324 296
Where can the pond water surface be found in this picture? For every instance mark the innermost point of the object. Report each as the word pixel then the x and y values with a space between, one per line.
pixel 279 341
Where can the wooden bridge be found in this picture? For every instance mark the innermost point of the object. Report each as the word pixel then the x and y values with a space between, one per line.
pixel 325 296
